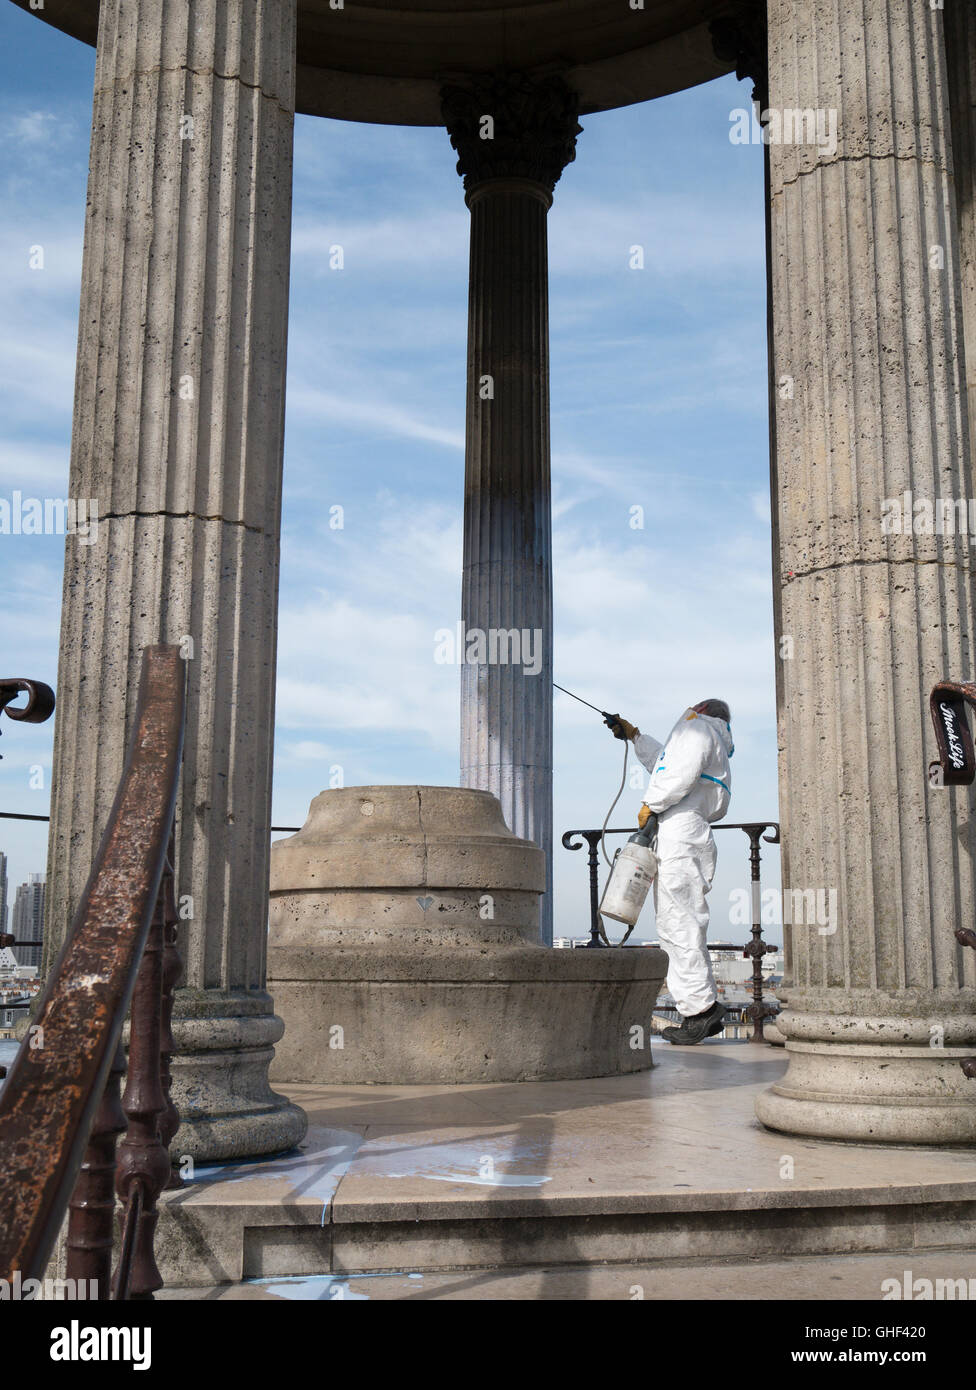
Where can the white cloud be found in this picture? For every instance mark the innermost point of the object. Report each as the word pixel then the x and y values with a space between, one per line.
pixel 37 469
pixel 304 750
pixel 33 128
pixel 679 233
pixel 376 415
pixel 761 506
pixel 383 246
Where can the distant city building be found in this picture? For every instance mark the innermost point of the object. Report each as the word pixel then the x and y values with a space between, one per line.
pixel 19 984
pixel 27 923
pixel 3 891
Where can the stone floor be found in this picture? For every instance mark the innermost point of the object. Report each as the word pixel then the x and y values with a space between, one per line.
pixel 664 1175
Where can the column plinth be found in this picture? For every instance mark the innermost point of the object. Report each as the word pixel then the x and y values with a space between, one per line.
pixel 870 405
pixel 513 134
pixel 177 432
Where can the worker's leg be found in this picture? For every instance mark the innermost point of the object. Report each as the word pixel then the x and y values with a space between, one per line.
pixel 684 877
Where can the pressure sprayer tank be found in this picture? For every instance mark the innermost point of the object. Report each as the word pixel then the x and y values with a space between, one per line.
pixel 634 868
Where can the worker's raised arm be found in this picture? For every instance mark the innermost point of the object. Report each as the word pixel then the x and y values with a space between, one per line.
pixel 648 750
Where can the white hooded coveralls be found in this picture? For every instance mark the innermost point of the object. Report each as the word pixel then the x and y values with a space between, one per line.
pixel 690 787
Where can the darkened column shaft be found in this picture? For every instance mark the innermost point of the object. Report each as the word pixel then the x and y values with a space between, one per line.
pixel 506 709
pixel 514 134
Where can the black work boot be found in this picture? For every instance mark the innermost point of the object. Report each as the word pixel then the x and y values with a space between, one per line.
pixel 697 1027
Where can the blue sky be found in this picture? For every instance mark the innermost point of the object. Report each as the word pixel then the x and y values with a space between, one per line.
pixel 658 400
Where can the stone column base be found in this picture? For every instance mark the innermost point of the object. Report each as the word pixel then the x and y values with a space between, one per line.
pixel 443 1016
pixel 404 949
pixel 225 1042
pixel 886 1070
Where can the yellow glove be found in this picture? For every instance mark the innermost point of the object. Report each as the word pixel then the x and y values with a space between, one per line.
pixel 643 815
pixel 622 728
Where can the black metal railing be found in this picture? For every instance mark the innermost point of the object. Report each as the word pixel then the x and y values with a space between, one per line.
pixel 60 1109
pixel 755 948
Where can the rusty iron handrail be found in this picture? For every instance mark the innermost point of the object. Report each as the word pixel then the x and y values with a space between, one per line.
pixel 58 1082
pixel 758 1011
pixel 956 767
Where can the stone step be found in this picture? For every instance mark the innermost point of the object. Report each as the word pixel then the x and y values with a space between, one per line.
pixel 664 1165
pixel 213 1242
pixel 937 1276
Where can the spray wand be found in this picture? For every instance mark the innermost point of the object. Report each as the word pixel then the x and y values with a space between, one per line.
pixel 609 719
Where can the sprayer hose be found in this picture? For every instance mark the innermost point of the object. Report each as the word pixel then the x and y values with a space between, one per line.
pixel 603 851
pixel 620 792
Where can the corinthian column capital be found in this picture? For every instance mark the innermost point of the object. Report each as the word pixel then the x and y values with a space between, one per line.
pixel 507 125
pixel 739 37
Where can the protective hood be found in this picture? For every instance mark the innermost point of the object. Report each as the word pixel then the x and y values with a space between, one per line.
pixel 723 730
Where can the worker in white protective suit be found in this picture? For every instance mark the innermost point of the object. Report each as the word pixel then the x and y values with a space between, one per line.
pixel 689 789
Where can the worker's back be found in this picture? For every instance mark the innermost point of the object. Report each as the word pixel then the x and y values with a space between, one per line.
pixel 691 772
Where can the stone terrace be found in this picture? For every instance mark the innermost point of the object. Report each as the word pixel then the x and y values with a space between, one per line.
pixel 571 1189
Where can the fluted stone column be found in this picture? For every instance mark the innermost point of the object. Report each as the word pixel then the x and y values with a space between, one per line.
pixel 514 134
pixel 881 1001
pixel 178 428
pixel 960 26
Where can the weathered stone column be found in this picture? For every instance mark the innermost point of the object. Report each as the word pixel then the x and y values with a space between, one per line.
pixel 514 134
pixel 960 26
pixel 178 428
pixel 870 405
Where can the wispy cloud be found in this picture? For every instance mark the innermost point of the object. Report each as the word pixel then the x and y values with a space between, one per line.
pixel 368 413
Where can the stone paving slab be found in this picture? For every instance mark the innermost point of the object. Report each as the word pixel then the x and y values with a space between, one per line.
pixel 659 1164
pixel 680 1137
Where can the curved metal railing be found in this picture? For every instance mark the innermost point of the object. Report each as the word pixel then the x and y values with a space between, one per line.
pixel 40 699
pixel 754 949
